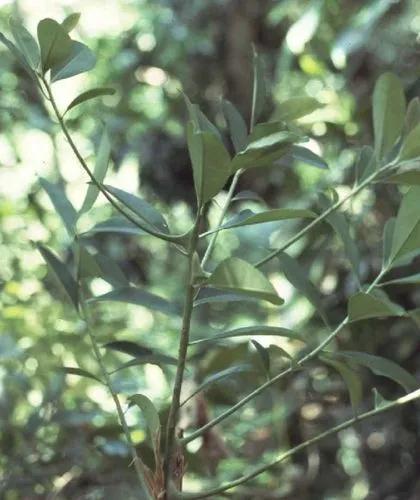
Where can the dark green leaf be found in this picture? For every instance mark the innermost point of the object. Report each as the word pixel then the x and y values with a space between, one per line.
pixel 408 174
pixel 388 112
pixel 18 55
pixel 296 107
pixel 372 305
pixel 387 241
pixel 97 265
pixel 250 331
pixel 26 43
pixel 61 274
pixel 118 225
pixel 259 92
pixel 132 295
pixel 153 359
pixel 379 400
pixel 80 373
pixel 351 379
pixel 414 279
pixel 61 205
pixel 248 196
pixel 199 119
pixel 151 416
pixel 79 60
pixel 412 117
pixel 238 276
pixel 90 94
pixel 141 208
pixel 307 156
pixel 366 164
pixel 237 127
pixel 411 145
pixel 382 367
pixel 211 296
pixel 71 21
pixel 128 347
pixel 54 42
pixel 264 356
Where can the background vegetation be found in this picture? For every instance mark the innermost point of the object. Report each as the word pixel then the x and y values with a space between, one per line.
pixel 59 436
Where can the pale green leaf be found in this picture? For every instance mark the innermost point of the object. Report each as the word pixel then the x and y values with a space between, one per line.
pixel 54 42
pixel 80 60
pixel 237 127
pixel 411 145
pixel 90 94
pixel 388 235
pixel 351 379
pixel 379 400
pixel 69 370
pixel 250 331
pixel 71 21
pixel 61 204
pixel 26 43
pixel 117 225
pixel 17 54
pixel 366 164
pixel 151 416
pixel 370 305
pixel 296 107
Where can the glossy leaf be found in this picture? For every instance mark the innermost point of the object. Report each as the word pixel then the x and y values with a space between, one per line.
pixel 141 208
pixel 250 331
pixel 239 276
pixel 411 145
pixel 388 112
pixel 296 107
pixel 79 60
pixel 372 305
pixel 351 379
pixel 71 21
pixel 80 373
pixel 307 156
pixel 90 94
pixel 61 204
pixel 248 217
pixel 237 127
pixel 217 377
pixel 54 42
pixel 137 296
pixel 210 163
pixel 99 172
pixel 61 274
pixel 382 367
pixel 259 92
pixel 25 43
pixel 117 225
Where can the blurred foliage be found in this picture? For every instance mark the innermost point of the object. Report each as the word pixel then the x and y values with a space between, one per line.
pixel 59 435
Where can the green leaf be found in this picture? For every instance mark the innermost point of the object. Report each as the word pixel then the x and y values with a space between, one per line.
pixel 382 367
pixel 90 94
pixel 351 379
pixel 152 359
pixel 372 305
pixel 259 92
pixel 79 60
pixel 366 164
pixel 210 163
pixel 412 117
pixel 71 21
pixel 379 400
pixel 414 279
pixel 248 217
pixel 151 417
pixel 411 145
pixel 239 276
pixel 217 377
pixel 250 331
pixel 117 225
pixel 237 127
pixel 297 276
pixel 80 373
pixel 388 112
pixel 18 55
pixel 141 208
pixel 408 174
pixel 128 347
pixel 264 355
pixel 248 196
pixel 307 156
pixel 62 275
pixel 61 205
pixel 296 107
pixel 212 296
pixel 97 265
pixel 199 119
pixel 54 42
pixel 406 223
pixel 133 295
pixel 388 235
pixel 26 43
pixel 101 166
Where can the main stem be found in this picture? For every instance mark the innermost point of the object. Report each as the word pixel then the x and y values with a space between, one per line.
pixel 182 354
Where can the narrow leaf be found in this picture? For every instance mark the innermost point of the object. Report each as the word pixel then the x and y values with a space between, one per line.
pixel 371 305
pixel 296 107
pixel 152 359
pixel 264 356
pixel 412 117
pixel 54 42
pixel 61 204
pixel 117 225
pixel 250 331
pixel 128 347
pixel 80 373
pixel 150 414
pixel 414 279
pixel 378 399
pixel 17 54
pixel 259 92
pixel 237 127
pixel 79 60
pixel 411 145
pixel 212 296
pixel 239 276
pixel 26 43
pixel 351 379
pixel 98 265
pixel 90 94
pixel 307 156
pixel 71 21
pixel 388 236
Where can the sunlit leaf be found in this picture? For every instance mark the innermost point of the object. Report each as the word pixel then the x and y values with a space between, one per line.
pixel 372 305
pixel 17 54
pixel 25 43
pixel 212 296
pixel 54 42
pixel 388 112
pixel 90 94
pixel 296 107
pixel 250 331
pixel 80 373
pixel 79 60
pixel 238 276
pixel 237 127
pixel 71 21
pixel 61 204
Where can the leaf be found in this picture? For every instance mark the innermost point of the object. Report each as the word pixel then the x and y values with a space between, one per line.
pixel 101 166
pixel 141 208
pixel 297 276
pixel 366 164
pixel 296 107
pixel 210 162
pixel 412 117
pixel 388 112
pixel 250 331
pixel 151 417
pixel 379 400
pixel 79 60
pixel 80 373
pixel 116 224
pixel 411 145
pixel 248 196
pixel 248 217
pixel 61 205
pixel 408 174
pixel 351 379
pixel 199 119
pixel 264 356
pixel 133 295
pixel 217 377
pixel 239 276
pixel 71 21
pixel 54 42
pixel 26 43
pixel 259 92
pixel 98 265
pixel 369 305
pixel 212 296
pixel 153 359
pixel 307 156
pixel 382 367
pixel 61 274
pixel 406 222
pixel 414 279
pixel 388 235
pixel 338 222
pixel 237 127
pixel 90 94
pixel 128 347
pixel 18 55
